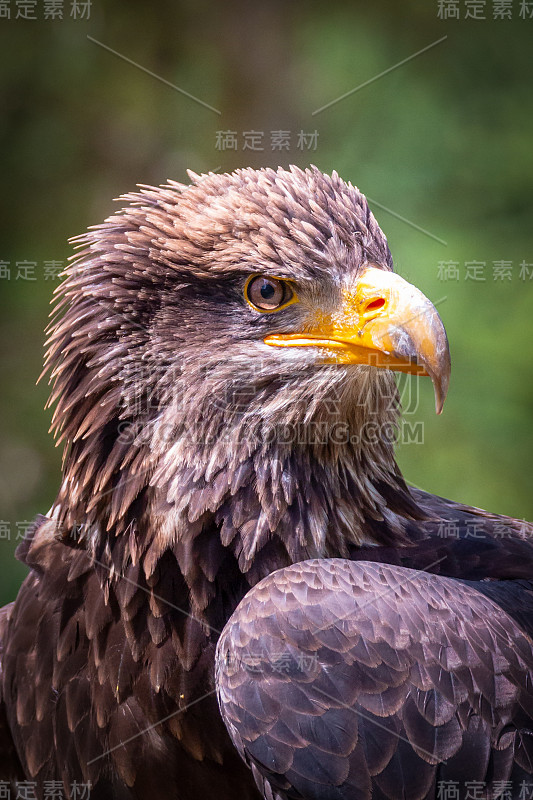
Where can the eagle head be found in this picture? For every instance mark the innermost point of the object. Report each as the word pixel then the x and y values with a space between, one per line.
pixel 217 352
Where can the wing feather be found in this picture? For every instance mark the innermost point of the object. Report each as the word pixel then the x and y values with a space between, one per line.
pixel 369 668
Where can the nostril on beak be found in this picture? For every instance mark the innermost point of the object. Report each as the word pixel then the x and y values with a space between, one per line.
pixel 372 306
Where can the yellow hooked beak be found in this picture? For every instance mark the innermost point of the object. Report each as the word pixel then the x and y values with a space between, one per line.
pixel 383 322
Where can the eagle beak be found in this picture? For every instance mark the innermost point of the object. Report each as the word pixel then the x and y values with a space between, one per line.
pixel 383 322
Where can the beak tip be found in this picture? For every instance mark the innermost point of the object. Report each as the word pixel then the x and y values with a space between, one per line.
pixel 440 386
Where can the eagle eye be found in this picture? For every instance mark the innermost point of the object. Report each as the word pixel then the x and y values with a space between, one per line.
pixel 268 294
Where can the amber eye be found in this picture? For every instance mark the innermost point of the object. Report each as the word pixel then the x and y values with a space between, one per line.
pixel 268 294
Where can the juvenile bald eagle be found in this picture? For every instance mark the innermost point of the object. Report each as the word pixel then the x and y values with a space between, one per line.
pixel 222 361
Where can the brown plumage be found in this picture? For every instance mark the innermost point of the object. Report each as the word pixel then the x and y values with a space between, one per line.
pixel 207 445
pixel 343 679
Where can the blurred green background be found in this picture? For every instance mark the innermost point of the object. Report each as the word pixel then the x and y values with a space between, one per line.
pixel 443 141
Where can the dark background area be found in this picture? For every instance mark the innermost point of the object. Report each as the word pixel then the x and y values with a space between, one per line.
pixel 443 141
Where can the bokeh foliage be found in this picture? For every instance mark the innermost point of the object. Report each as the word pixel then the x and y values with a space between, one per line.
pixel 443 141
